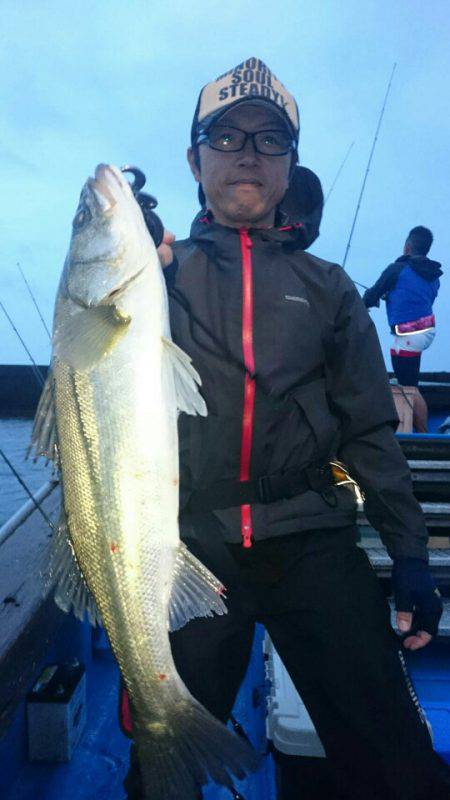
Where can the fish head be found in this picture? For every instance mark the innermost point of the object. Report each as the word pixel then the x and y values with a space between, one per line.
pixel 110 243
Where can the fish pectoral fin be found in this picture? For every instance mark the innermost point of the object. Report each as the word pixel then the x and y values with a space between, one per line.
pixel 62 572
pixel 44 439
pixel 187 380
pixel 88 335
pixel 196 592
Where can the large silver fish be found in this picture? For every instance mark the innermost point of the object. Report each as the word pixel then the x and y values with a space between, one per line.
pixel 108 414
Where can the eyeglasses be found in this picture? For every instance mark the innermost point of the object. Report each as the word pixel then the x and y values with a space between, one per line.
pixel 229 139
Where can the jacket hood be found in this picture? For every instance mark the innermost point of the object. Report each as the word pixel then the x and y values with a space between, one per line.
pixel 425 267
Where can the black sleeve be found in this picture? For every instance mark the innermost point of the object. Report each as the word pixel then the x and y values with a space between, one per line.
pixel 360 395
pixel 385 283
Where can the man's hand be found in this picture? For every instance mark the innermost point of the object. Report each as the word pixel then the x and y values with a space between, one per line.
pixel 417 600
pixel 418 639
pixel 164 250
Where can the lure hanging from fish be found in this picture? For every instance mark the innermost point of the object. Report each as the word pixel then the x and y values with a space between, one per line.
pixel 146 202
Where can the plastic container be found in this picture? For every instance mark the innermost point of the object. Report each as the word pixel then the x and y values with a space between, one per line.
pixel 289 726
pixel 56 713
pixel 302 771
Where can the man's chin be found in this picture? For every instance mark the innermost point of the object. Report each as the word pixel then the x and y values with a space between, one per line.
pixel 246 212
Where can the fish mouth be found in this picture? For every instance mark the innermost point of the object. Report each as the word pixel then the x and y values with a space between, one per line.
pixel 107 183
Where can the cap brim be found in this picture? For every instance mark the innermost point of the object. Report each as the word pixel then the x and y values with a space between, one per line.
pixel 257 101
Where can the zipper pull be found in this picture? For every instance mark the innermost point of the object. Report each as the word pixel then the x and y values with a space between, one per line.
pixel 243 232
pixel 247 537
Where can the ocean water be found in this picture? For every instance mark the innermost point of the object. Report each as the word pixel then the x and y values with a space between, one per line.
pixel 14 438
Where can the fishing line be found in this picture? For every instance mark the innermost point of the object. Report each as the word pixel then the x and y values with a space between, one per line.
pixel 36 371
pixel 338 173
pixel 358 205
pixel 34 300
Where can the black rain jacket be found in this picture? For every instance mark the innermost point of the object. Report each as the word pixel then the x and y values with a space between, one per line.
pixel 292 375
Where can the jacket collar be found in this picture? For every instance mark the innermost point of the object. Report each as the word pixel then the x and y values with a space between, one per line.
pixel 205 230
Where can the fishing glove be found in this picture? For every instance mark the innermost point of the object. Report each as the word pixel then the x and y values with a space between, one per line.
pixel 415 590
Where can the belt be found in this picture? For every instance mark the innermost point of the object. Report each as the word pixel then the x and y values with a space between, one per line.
pixel 265 489
pixel 417 326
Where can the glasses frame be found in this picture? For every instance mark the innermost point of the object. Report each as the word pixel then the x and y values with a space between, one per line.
pixel 203 138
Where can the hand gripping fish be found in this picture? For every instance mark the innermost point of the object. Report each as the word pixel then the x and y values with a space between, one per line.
pixel 108 415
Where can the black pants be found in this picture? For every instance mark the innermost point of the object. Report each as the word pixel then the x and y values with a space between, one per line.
pixel 406 369
pixel 323 607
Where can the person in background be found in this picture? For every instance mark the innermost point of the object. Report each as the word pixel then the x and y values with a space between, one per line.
pixel 410 286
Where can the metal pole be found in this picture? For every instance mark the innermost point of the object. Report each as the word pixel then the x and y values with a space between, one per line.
pixel 368 167
pixel 36 371
pixel 29 493
pixel 338 173
pixel 34 301
pixel 17 519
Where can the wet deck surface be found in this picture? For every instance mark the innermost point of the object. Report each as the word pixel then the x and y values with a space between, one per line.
pixel 100 759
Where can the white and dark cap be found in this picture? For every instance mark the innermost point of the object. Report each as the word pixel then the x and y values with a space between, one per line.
pixel 252 81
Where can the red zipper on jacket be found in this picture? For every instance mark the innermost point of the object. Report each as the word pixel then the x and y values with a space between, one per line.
pixel 249 384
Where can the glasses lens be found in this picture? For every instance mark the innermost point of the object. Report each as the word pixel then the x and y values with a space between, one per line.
pixel 226 139
pixel 273 143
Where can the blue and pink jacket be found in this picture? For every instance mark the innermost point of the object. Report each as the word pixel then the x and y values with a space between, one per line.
pixel 409 286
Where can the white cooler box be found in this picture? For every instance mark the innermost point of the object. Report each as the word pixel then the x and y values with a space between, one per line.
pixel 289 726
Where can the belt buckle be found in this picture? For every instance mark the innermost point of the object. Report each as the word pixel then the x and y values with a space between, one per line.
pixel 342 477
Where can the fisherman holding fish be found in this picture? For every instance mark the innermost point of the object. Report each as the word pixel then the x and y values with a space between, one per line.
pixel 269 357
pixel 298 401
pixel 410 286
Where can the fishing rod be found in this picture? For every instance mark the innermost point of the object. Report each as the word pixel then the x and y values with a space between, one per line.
pixel 40 378
pixel 358 206
pixel 362 285
pixel 36 371
pixel 338 173
pixel 29 493
pixel 34 300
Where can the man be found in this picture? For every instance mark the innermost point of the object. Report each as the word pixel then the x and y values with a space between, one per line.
pixel 410 286
pixel 290 363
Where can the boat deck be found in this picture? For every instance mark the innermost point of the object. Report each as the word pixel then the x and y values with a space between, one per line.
pixel 99 761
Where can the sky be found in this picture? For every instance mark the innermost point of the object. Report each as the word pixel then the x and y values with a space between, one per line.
pixel 108 81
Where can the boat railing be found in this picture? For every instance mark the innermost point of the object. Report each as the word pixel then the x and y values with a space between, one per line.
pixel 14 522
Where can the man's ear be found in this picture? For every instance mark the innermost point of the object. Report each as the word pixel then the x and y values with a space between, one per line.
pixel 193 163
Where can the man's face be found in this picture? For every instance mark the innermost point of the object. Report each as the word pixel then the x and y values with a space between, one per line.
pixel 243 188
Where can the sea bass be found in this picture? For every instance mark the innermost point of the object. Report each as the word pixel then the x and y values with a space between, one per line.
pixel 108 415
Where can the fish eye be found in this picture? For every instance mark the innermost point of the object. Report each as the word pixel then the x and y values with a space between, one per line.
pixel 83 216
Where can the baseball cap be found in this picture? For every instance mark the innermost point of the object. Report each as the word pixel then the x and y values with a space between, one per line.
pixel 252 80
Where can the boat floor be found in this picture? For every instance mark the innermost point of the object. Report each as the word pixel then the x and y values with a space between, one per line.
pixel 100 760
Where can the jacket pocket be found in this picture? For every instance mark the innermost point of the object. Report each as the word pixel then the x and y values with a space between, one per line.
pixel 324 426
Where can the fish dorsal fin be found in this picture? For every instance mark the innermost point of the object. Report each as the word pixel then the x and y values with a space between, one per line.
pixel 44 439
pixel 88 335
pixel 62 572
pixel 187 380
pixel 196 592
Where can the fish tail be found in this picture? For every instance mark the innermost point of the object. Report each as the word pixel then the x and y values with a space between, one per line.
pixel 187 750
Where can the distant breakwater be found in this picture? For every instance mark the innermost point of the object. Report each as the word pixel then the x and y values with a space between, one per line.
pixel 19 390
